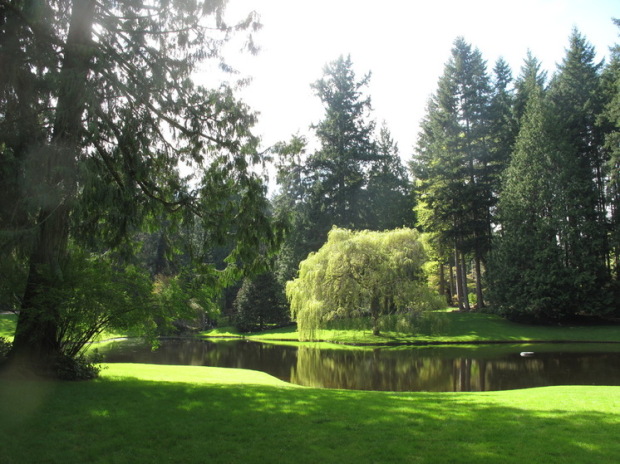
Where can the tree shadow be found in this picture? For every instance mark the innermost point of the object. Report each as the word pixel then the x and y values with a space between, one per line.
pixel 142 421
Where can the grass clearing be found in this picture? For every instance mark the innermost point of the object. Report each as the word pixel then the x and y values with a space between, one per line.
pixel 141 413
pixel 457 328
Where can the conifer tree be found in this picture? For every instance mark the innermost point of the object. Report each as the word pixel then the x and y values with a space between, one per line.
pixel 452 163
pixel 337 169
pixel 528 280
pixel 577 100
pixel 97 111
pixel 610 122
pixel 389 196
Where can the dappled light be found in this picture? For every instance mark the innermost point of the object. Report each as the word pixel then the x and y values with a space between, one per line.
pixel 242 423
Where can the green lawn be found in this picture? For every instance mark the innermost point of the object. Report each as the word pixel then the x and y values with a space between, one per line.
pixel 186 414
pixel 457 328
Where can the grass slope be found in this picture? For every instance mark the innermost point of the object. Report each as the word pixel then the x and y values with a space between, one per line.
pixel 137 414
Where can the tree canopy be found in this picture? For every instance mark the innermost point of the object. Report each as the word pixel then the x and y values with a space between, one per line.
pixel 358 274
pixel 98 113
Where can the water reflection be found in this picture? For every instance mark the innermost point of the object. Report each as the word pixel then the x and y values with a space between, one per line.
pixel 410 369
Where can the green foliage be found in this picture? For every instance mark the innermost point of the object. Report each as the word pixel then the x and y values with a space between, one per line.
pixel 359 273
pixel 260 303
pixel 390 200
pixel 100 120
pixel 76 368
pixel 5 347
pixel 549 262
pixel 457 164
pixel 97 294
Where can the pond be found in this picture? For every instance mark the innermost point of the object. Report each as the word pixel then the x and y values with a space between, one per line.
pixel 438 369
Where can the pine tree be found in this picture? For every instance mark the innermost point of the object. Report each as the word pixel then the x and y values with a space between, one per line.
pixel 260 302
pixel 610 124
pixel 530 79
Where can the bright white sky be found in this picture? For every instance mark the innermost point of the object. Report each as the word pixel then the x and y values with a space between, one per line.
pixel 405 44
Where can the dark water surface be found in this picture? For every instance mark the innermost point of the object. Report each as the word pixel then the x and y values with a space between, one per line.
pixel 481 368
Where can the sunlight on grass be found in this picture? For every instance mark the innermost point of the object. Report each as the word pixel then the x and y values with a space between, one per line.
pixel 456 328
pixel 145 414
pixel 189 374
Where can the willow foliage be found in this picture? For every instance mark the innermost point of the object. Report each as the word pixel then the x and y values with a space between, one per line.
pixel 358 274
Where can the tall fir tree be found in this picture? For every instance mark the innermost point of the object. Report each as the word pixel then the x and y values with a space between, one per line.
pixel 390 199
pixel 337 168
pixel 531 78
pixel 453 160
pixel 528 280
pixel 610 123
pixel 575 92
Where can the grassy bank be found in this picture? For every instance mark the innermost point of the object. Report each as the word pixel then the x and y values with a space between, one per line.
pixel 455 328
pixel 187 414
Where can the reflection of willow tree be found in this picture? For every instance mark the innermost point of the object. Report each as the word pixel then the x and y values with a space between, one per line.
pixel 377 369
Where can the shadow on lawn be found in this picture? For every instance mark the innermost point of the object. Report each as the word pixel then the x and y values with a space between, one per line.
pixel 140 421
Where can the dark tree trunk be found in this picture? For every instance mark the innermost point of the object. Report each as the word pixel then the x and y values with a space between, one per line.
pixel 375 312
pixel 37 334
pixel 459 280
pixel 479 296
pixel 464 283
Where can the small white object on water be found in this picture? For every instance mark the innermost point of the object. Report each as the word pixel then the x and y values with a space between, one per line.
pixel 527 354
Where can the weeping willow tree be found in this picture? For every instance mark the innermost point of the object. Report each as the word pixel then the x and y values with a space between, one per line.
pixel 358 274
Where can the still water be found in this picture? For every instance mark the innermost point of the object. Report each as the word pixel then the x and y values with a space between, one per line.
pixel 482 368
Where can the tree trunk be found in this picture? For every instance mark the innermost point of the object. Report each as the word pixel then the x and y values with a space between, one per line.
pixel 452 290
pixel 459 280
pixel 464 283
pixel 443 288
pixel 479 297
pixel 375 312
pixel 37 335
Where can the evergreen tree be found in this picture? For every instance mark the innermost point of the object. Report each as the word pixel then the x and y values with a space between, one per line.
pixel 575 92
pixel 530 79
pixel 610 123
pixel 96 114
pixel 337 169
pixel 260 302
pixel 528 280
pixel 389 192
pixel 453 161
pixel 503 128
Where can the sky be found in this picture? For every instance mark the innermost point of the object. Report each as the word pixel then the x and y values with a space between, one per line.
pixel 404 44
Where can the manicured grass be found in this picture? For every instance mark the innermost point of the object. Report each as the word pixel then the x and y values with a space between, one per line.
pixel 147 414
pixel 457 328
